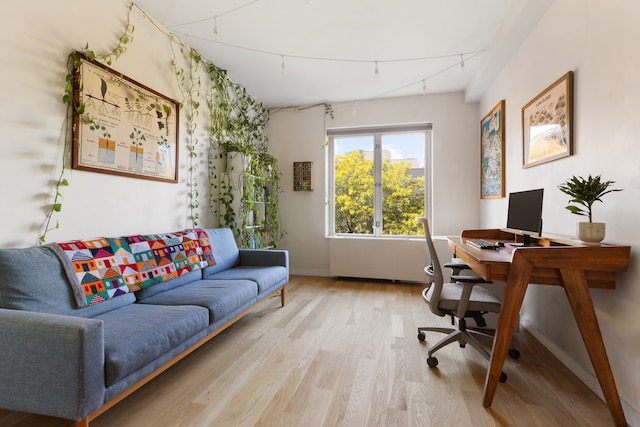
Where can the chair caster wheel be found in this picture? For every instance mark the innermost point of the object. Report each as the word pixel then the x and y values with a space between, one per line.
pixel 503 377
pixel 421 336
pixel 432 362
pixel 514 354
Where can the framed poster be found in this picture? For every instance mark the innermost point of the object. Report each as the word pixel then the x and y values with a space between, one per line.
pixel 492 153
pixel 547 124
pixel 126 128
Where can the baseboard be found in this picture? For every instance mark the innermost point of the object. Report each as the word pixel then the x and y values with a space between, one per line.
pixel 309 272
pixel 588 378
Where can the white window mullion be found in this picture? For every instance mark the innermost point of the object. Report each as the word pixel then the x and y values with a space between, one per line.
pixel 330 215
pixel 377 186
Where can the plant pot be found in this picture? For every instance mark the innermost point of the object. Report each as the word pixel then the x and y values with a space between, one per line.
pixel 591 233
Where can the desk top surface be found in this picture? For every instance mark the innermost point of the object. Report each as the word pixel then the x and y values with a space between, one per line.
pixel 600 263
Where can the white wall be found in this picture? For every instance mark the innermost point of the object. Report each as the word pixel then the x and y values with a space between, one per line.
pixel 299 135
pixel 598 41
pixel 37 37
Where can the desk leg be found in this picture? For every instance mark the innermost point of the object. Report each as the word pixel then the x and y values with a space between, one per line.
pixel 577 290
pixel 516 286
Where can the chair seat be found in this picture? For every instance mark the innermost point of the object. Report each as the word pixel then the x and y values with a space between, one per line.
pixel 480 300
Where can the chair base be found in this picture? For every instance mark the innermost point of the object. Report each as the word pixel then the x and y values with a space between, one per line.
pixel 463 336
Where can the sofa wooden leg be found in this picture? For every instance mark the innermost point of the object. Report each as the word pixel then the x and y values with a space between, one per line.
pixel 83 422
pixel 282 296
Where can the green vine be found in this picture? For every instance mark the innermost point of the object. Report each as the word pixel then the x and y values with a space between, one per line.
pixel 267 167
pixel 75 105
pixel 237 122
pixel 190 87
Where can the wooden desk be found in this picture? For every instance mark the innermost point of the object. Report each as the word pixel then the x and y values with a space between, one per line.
pixel 559 262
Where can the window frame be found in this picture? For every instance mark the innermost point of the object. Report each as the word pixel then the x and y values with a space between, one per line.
pixel 377 132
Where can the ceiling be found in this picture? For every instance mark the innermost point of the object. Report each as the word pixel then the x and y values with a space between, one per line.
pixel 305 52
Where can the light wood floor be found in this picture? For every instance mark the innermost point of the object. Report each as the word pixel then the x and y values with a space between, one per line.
pixel 345 353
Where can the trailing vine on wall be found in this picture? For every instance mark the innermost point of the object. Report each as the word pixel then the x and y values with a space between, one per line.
pixel 237 122
pixel 189 85
pixel 76 105
pixel 266 166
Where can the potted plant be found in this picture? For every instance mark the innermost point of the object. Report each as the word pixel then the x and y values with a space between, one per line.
pixel 584 192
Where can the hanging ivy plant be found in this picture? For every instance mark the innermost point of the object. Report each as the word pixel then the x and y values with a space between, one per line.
pixel 76 105
pixel 267 167
pixel 237 123
pixel 189 85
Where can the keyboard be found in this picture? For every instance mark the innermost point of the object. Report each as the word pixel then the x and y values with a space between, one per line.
pixel 482 244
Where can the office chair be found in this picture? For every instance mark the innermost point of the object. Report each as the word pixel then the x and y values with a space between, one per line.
pixel 461 299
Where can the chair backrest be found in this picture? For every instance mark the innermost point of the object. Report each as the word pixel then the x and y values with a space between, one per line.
pixel 433 270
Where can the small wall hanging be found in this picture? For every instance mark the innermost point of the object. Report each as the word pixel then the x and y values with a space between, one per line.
pixel 302 176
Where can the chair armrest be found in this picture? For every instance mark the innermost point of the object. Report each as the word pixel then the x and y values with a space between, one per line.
pixel 457 268
pixel 51 364
pixel 463 278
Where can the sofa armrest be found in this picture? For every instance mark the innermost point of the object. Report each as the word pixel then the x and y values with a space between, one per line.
pixel 51 364
pixel 265 257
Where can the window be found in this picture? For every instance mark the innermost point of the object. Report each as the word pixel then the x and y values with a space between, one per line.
pixel 377 180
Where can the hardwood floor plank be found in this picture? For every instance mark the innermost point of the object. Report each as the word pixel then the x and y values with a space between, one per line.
pixel 317 408
pixel 274 413
pixel 398 395
pixel 346 353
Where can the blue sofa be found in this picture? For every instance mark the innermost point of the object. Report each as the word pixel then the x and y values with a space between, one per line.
pixel 62 360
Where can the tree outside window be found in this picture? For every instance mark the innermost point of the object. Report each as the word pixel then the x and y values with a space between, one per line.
pixel 378 182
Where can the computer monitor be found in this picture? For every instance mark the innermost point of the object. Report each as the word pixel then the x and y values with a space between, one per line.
pixel 525 213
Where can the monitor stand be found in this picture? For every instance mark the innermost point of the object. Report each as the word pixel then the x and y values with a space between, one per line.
pixel 526 241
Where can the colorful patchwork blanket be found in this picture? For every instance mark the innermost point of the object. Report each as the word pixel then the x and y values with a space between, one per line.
pixel 103 268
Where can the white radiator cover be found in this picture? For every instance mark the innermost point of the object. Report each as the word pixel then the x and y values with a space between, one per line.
pixel 389 259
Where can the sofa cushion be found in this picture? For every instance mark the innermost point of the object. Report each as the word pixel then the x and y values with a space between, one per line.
pixel 225 250
pixel 137 334
pixel 219 297
pixel 33 279
pixel 265 277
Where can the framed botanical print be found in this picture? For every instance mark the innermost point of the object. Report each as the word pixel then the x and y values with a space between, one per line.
pixel 492 153
pixel 125 128
pixel 547 124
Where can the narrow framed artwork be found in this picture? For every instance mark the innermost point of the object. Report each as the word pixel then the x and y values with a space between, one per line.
pixel 492 169
pixel 547 124
pixel 302 176
pixel 126 128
